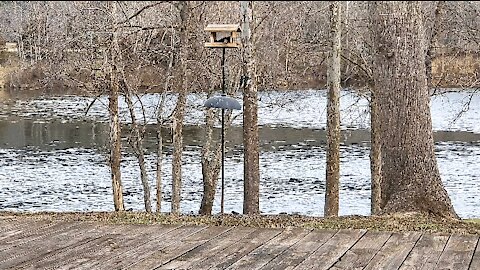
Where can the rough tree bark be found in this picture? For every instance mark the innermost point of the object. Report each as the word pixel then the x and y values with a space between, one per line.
pixel 160 107
pixel 179 114
pixel 211 161
pixel 410 177
pixel 158 168
pixel 375 155
pixel 251 168
pixel 115 136
pixel 333 113
pixel 210 167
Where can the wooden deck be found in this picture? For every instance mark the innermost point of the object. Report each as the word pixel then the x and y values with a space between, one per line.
pixel 41 244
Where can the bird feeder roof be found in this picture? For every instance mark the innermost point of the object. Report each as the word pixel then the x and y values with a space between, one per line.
pixel 223 28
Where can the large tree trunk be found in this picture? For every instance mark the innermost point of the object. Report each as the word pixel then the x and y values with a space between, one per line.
pixel 333 114
pixel 115 136
pixel 251 168
pixel 180 110
pixel 410 176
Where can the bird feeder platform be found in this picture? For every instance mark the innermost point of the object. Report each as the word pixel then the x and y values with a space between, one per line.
pixel 223 36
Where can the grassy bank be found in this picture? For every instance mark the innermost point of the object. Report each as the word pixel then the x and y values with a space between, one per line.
pixel 404 222
pixel 448 71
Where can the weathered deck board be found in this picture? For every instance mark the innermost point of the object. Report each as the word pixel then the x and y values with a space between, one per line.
pixel 233 253
pixel 394 252
pixel 42 247
pixel 326 256
pixel 426 252
pixel 115 249
pixel 9 225
pixel 298 252
pixel 163 256
pixel 363 251
pixel 36 244
pixel 36 234
pixel 160 242
pixel 268 251
pixel 18 231
pixel 458 252
pixel 93 240
pixel 475 263
pixel 211 248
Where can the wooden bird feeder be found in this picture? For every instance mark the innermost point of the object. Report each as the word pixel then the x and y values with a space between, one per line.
pixel 223 36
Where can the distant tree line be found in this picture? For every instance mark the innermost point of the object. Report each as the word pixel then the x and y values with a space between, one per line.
pixel 64 43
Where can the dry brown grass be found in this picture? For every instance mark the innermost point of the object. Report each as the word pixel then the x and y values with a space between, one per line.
pixel 451 70
pixel 459 70
pixel 401 222
pixel 8 64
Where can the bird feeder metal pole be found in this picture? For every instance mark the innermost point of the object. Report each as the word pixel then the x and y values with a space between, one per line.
pixel 223 136
pixel 223 71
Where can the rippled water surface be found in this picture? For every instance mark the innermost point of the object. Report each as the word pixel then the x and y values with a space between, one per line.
pixel 53 158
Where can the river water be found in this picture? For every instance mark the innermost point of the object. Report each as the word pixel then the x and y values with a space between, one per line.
pixel 53 154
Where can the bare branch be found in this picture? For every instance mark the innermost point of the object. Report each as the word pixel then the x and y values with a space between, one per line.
pixel 143 9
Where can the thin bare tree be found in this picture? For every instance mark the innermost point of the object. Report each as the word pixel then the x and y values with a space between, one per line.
pixel 160 125
pixel 251 168
pixel 333 113
pixel 115 129
pixel 179 114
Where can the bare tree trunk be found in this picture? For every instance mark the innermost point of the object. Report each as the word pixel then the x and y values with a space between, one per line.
pixel 410 178
pixel 251 204
pixel 159 137
pixel 137 140
pixel 431 35
pixel 346 20
pixel 115 135
pixel 159 162
pixel 333 114
pixel 180 110
pixel 211 161
pixel 137 145
pixel 159 128
pixel 177 152
pixel 210 167
pixel 375 155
